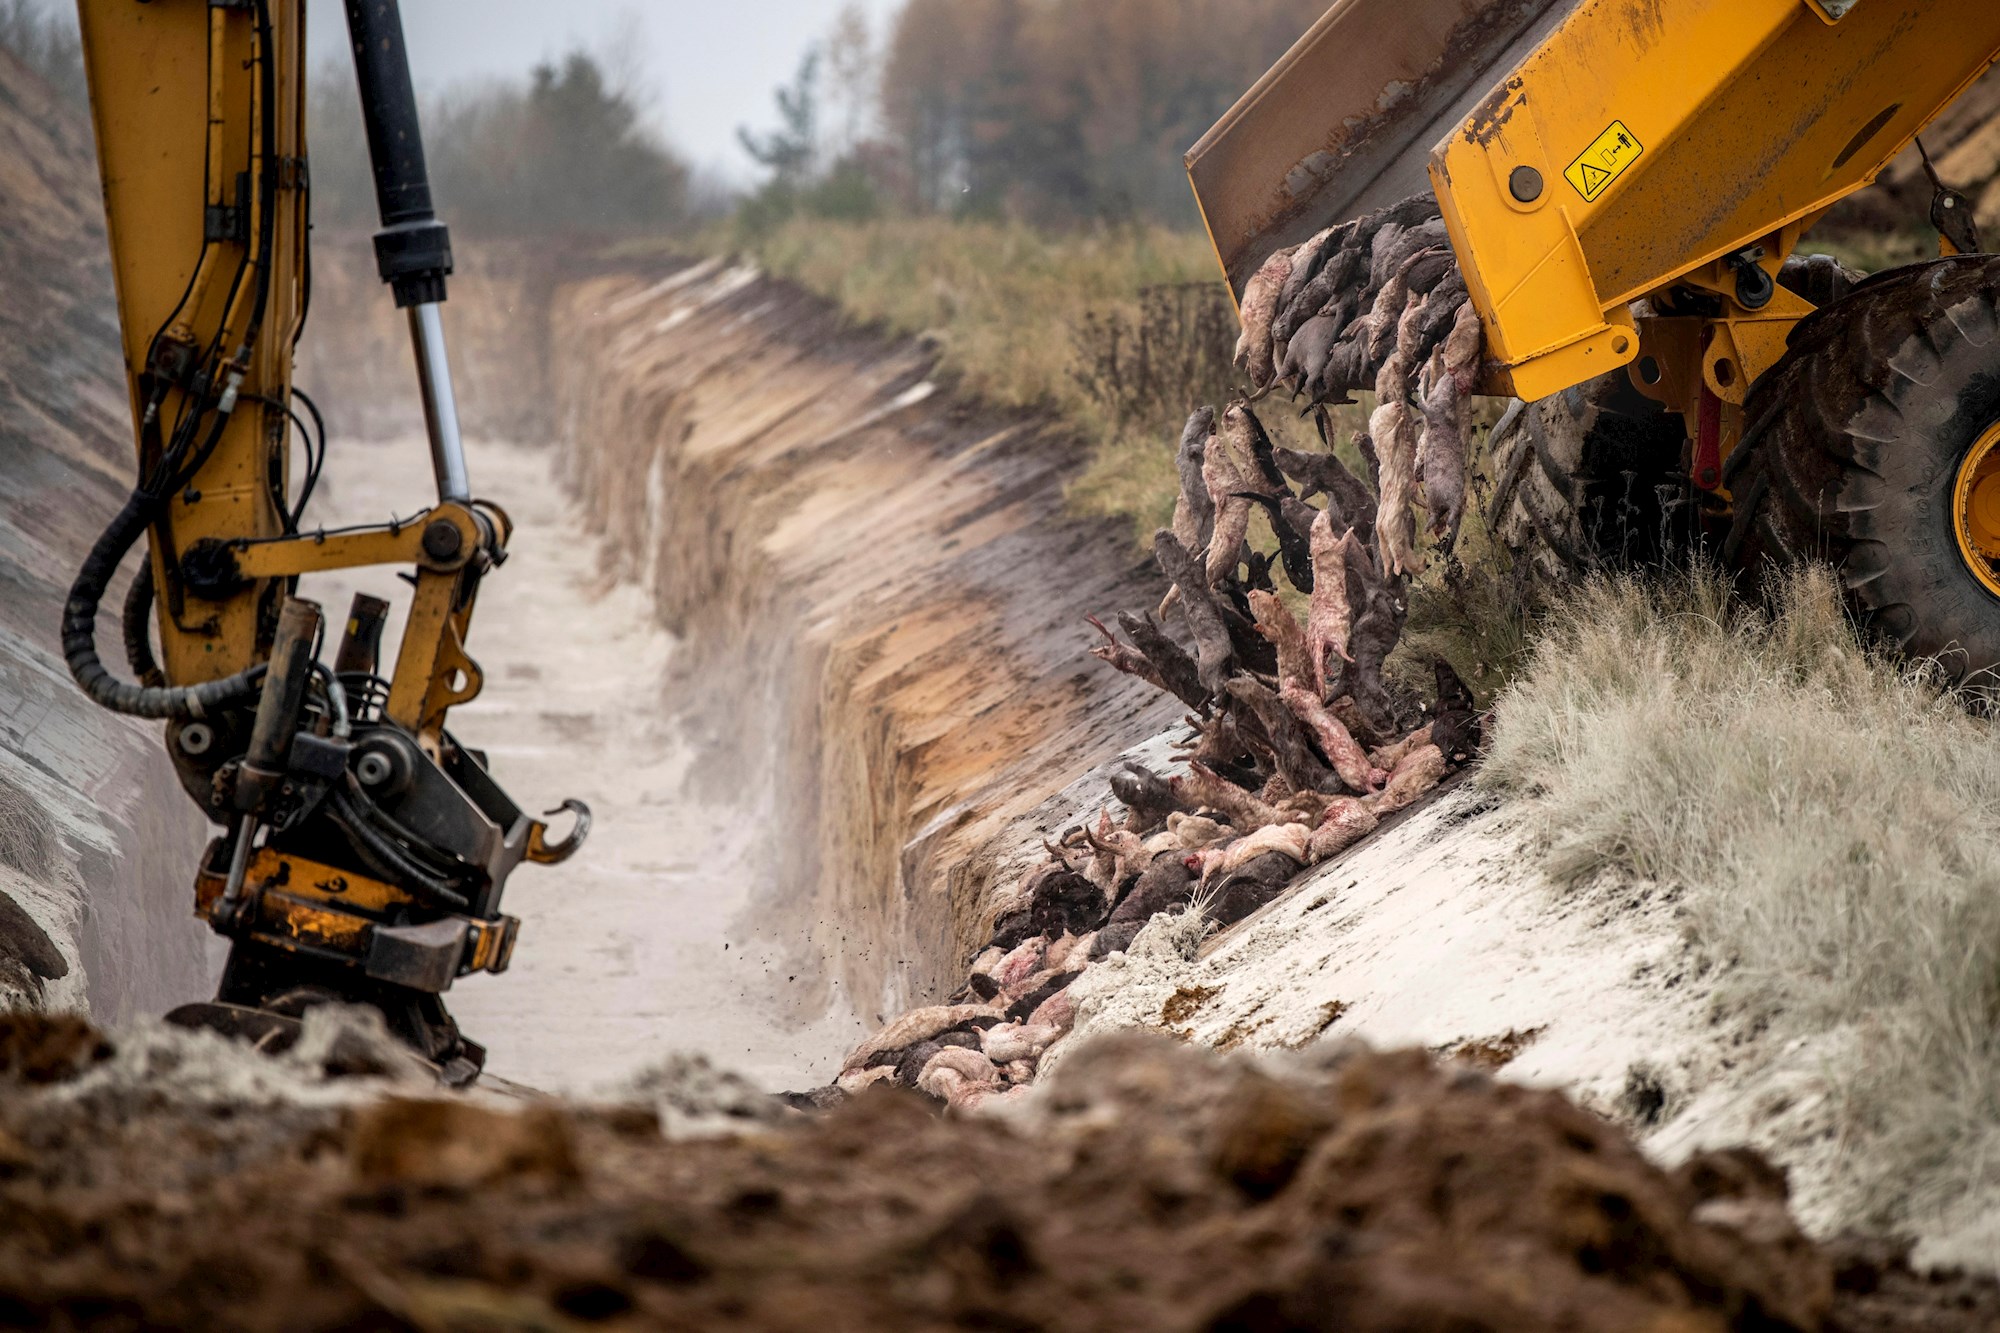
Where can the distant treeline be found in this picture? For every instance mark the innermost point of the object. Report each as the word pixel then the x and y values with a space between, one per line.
pixel 566 149
pixel 1045 111
pixel 1058 110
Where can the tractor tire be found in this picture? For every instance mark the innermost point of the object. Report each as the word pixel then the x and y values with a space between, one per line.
pixel 1852 448
pixel 1596 477
pixel 1587 479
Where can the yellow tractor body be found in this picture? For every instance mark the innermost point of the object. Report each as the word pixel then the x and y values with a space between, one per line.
pixel 1588 154
pixel 1623 183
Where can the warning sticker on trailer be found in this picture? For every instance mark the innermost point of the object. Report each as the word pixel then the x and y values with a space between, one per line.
pixel 1604 161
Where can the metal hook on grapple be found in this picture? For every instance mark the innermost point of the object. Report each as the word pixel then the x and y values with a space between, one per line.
pixel 543 852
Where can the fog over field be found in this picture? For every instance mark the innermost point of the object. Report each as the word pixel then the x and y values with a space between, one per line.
pixel 711 66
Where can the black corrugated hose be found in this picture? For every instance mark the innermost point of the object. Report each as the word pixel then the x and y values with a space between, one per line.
pixel 79 634
pixel 79 629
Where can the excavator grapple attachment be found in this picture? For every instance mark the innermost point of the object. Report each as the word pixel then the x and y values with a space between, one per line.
pixel 366 849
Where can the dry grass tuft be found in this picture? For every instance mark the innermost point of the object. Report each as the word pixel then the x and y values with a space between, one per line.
pixel 1002 299
pixel 1013 310
pixel 1825 818
pixel 28 839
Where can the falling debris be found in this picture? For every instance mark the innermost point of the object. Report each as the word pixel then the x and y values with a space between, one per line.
pixel 1378 303
pixel 1297 746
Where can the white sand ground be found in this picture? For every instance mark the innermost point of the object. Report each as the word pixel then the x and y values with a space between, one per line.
pixel 638 947
pixel 1439 933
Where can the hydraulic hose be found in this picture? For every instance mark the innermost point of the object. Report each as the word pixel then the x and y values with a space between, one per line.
pixel 138 628
pixel 79 635
pixel 388 860
pixel 438 864
pixel 336 701
pixel 79 628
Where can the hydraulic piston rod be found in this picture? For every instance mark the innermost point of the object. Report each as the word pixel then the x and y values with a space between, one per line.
pixel 413 248
pixel 440 406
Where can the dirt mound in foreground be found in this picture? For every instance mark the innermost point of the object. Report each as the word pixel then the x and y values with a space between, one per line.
pixel 1150 1185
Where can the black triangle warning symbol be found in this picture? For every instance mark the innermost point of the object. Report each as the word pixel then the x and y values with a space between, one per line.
pixel 1594 178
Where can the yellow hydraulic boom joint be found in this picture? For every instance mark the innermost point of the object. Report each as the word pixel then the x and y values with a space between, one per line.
pixel 1640 146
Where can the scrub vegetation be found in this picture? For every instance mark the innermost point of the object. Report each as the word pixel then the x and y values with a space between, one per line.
pixel 1122 331
pixel 1823 818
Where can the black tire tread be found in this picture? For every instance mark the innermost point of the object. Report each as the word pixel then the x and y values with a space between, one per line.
pixel 1568 514
pixel 1863 384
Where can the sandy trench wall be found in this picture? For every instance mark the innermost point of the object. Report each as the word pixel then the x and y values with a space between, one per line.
pixel 98 845
pixel 878 593
pixel 355 359
pixel 880 596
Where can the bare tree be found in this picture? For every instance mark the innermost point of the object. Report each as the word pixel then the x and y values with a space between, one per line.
pixel 852 70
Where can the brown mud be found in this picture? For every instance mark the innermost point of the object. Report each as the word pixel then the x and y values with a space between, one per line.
pixel 1151 1185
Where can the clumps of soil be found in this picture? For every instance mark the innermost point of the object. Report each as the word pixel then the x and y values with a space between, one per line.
pixel 30 844
pixel 28 957
pixel 1877 1291
pixel 1491 1053
pixel 455 1147
pixel 1185 1003
pixel 48 1048
pixel 1147 1185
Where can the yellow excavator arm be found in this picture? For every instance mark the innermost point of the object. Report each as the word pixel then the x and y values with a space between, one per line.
pixel 366 849
pixel 1701 142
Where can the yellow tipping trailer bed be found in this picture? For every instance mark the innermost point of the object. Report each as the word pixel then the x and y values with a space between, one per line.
pixel 1588 153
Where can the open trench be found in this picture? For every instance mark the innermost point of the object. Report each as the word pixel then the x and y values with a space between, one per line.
pixel 804 630
pixel 635 950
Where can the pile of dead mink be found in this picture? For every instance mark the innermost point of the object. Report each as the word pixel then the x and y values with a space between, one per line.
pixel 1379 303
pixel 1297 747
pixel 1297 744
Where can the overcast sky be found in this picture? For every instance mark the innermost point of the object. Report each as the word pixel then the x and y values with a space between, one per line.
pixel 711 63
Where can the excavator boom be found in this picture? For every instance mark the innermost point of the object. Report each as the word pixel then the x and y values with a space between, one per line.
pixel 366 849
